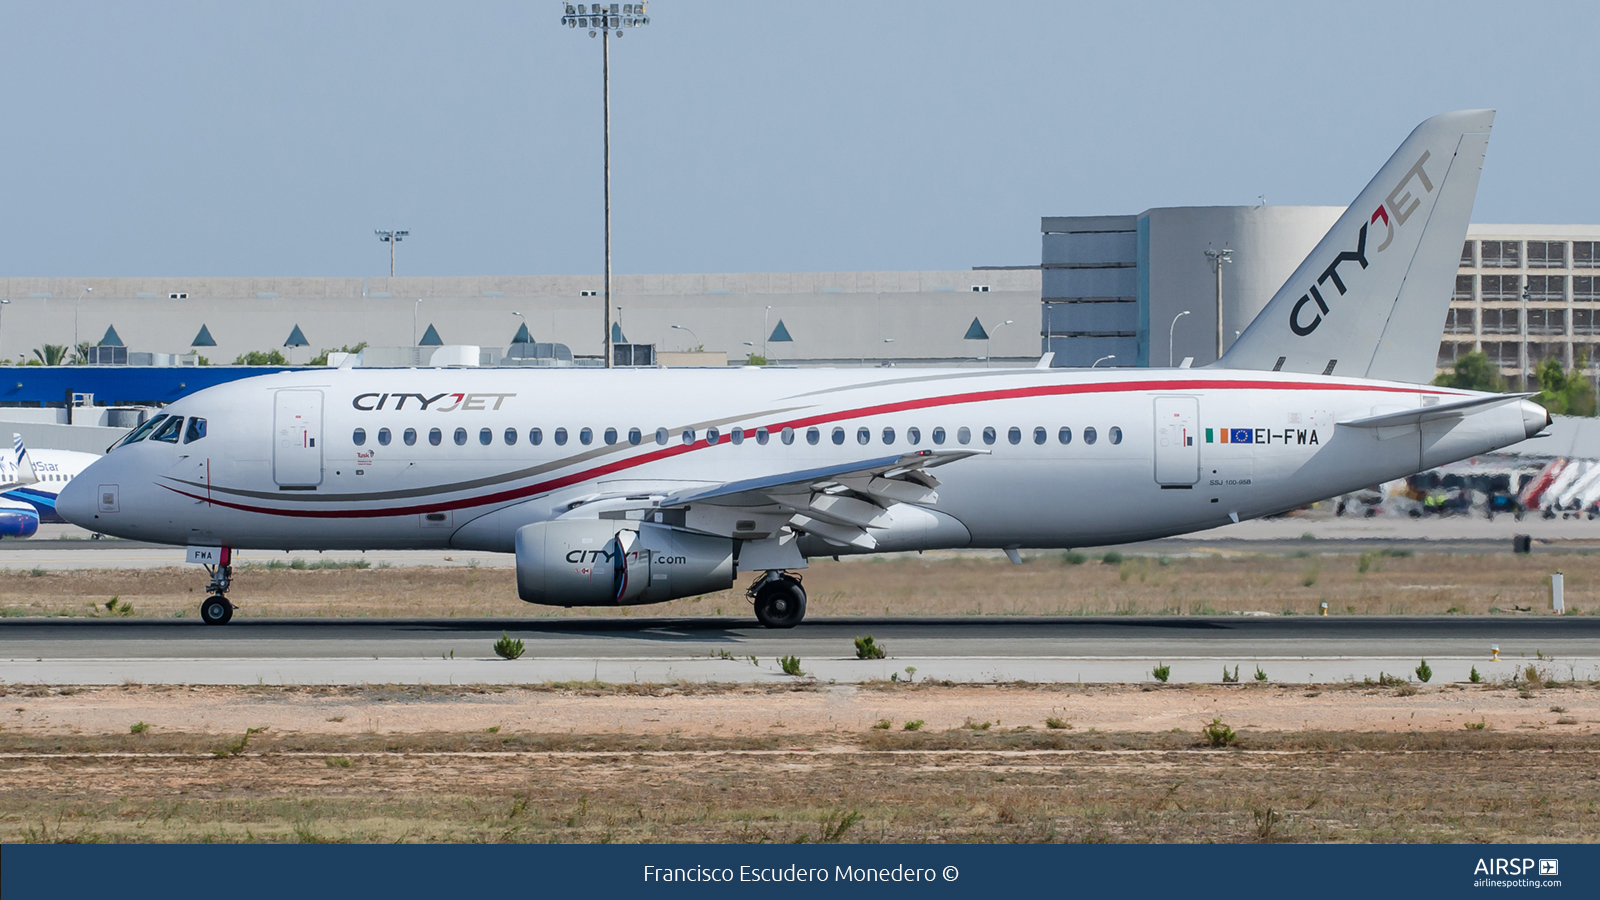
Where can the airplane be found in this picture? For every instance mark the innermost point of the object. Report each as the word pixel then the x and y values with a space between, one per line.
pixel 628 486
pixel 29 487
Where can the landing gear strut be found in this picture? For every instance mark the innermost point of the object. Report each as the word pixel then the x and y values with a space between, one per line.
pixel 215 609
pixel 780 600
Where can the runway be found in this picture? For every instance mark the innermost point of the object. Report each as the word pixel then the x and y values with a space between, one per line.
pixel 966 650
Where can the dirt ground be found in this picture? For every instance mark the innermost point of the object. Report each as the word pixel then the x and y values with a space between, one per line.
pixel 1053 584
pixel 800 763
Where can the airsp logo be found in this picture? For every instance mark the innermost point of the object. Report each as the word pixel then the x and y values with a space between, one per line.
pixel 1394 211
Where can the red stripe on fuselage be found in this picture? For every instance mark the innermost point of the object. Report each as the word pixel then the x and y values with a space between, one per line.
pixel 554 484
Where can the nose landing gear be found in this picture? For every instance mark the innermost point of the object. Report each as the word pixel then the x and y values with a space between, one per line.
pixel 215 609
pixel 779 599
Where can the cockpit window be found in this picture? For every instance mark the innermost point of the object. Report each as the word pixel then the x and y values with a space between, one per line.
pixel 195 431
pixel 168 432
pixel 143 431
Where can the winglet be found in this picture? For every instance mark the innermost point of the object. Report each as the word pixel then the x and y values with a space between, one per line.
pixel 23 462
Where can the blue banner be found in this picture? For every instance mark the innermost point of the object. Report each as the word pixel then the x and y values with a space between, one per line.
pixel 245 872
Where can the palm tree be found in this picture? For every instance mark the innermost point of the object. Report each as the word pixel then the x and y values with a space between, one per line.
pixel 51 354
pixel 80 354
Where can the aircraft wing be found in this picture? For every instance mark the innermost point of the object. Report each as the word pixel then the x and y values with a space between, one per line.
pixel 1429 413
pixel 837 503
pixel 16 468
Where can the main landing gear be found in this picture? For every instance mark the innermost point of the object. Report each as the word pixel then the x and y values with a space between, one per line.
pixel 215 609
pixel 780 600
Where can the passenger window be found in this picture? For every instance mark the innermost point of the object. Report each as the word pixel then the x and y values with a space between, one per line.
pixel 812 436
pixel 435 436
pixel 1040 435
pixel 1089 435
pixel 688 436
pixel 988 435
pixel 560 436
pixel 712 436
pixel 762 436
pixel 586 436
pixel 485 436
pixel 410 436
pixel 838 436
pixel 143 431
pixel 963 435
pixel 661 436
pixel 535 436
pixel 610 436
pixel 787 434
pixel 197 430
pixel 913 436
pixel 635 436
pixel 938 435
pixel 1064 435
pixel 1014 435
pixel 738 435
pixel 168 432
pixel 1115 434
pixel 511 437
pixel 863 435
pixel 888 435
pixel 359 437
pixel 384 437
pixel 460 437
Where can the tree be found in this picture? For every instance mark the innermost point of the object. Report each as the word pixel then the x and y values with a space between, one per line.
pixel 1473 372
pixel 51 354
pixel 322 360
pixel 1564 393
pixel 755 359
pixel 80 354
pixel 261 358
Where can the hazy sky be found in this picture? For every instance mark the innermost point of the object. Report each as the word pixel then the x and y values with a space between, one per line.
pixel 238 138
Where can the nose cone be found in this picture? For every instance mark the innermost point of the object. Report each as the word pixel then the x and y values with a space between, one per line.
pixel 1535 418
pixel 76 501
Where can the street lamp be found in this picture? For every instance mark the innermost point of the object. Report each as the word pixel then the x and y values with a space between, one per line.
pixel 391 238
pixel 764 317
pixel 680 328
pixel 414 307
pixel 598 18
pixel 1103 359
pixel 75 305
pixel 3 304
pixel 989 339
pixel 1170 331
pixel 1218 257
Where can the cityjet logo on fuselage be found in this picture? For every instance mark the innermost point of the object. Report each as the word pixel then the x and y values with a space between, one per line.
pixel 1394 211
pixel 446 402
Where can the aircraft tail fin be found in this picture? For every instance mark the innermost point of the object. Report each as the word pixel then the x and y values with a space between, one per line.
pixel 21 463
pixel 1370 300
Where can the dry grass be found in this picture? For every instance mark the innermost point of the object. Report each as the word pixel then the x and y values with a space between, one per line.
pixel 908 585
pixel 1320 788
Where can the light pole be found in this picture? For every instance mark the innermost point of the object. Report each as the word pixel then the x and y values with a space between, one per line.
pixel 1523 356
pixel 604 21
pixel 1103 359
pixel 391 238
pixel 1218 257
pixel 3 304
pixel 414 307
pixel 1172 329
pixel 988 358
pixel 691 334
pixel 75 305
pixel 764 318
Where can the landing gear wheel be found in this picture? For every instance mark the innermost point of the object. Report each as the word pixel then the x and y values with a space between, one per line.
pixel 216 610
pixel 781 603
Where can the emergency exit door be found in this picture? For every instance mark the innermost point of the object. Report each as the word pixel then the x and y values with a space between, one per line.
pixel 1177 443
pixel 297 439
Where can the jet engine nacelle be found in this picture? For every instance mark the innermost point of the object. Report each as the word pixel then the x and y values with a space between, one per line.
pixel 18 520
pixel 609 562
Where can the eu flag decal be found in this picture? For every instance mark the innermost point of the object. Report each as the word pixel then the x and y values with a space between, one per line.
pixel 1241 436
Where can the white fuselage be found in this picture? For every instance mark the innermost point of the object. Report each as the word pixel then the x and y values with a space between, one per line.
pixel 321 460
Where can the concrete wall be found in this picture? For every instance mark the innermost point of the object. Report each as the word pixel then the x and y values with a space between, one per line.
pixel 833 316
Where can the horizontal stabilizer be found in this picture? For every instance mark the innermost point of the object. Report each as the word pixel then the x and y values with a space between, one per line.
pixel 1428 414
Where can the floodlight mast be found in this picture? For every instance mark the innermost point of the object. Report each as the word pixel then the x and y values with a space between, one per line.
pixel 391 238
pixel 602 19
pixel 1217 258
